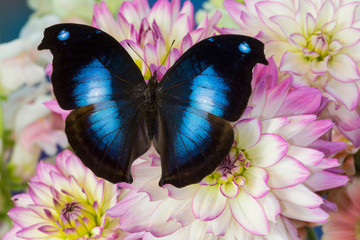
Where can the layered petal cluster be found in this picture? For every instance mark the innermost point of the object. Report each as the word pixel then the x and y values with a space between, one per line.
pixel 315 41
pixel 345 222
pixel 20 62
pixel 158 35
pixel 65 201
pixel 270 177
pixel 36 130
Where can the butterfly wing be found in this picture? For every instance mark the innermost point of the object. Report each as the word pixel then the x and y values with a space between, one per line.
pixel 94 75
pixel 209 84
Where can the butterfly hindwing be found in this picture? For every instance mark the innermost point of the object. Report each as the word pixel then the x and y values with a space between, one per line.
pixel 187 139
pixel 207 85
pixel 94 75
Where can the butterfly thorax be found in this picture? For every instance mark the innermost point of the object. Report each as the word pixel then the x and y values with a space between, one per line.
pixel 150 104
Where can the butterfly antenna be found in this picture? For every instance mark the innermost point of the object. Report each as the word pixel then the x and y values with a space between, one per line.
pixel 138 56
pixel 167 54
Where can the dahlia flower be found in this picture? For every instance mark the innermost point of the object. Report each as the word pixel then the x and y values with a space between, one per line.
pixel 315 41
pixel 269 178
pixel 20 62
pixel 344 223
pixel 65 201
pixel 153 32
pixel 34 129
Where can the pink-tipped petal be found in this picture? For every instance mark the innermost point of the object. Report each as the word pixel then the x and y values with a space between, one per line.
pixel 208 203
pixel 286 173
pixel 269 150
pixel 347 93
pixel 257 182
pixel 303 213
pixel 307 156
pixel 343 68
pixel 244 137
pixel 244 207
pixel 271 206
pixel 299 195
pixel 273 124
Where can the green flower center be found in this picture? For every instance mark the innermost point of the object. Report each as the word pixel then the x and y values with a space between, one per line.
pixel 317 47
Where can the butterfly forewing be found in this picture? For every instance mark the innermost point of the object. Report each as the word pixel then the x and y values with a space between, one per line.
pixel 93 74
pixel 209 83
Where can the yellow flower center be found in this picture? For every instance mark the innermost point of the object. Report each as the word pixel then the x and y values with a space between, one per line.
pixel 317 47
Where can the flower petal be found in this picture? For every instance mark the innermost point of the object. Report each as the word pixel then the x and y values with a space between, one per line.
pixel 294 63
pixel 247 132
pixel 271 206
pixel 346 93
pixel 269 150
pixel 343 68
pixel 208 203
pixel 303 213
pixel 299 195
pixel 286 173
pixel 244 208
pixel 325 180
pixel 256 182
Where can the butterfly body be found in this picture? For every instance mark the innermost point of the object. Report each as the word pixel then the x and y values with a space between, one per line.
pixel 117 116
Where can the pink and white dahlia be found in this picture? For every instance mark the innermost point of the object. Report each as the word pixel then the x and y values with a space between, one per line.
pixel 315 41
pixel 151 32
pixel 65 201
pixel 269 178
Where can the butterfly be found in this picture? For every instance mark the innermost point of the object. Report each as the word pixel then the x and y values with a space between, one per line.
pixel 116 115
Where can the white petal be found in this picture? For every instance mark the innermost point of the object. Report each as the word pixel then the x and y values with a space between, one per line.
pixel 304 214
pixel 271 206
pixel 343 68
pixel 273 124
pixel 247 132
pixel 286 173
pixel 347 93
pixel 249 214
pixel 295 63
pixel 256 182
pixel 268 151
pixel 347 36
pixel 299 195
pixel 208 202
pixel 220 225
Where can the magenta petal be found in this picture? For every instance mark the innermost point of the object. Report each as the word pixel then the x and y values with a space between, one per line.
pixel 329 148
pixel 301 101
pixel 324 180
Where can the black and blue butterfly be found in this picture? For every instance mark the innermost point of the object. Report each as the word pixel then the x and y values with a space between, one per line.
pixel 116 115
